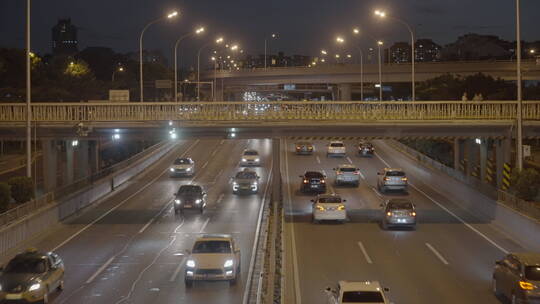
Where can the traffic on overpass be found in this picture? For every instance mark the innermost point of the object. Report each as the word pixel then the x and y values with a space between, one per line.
pixel 173 164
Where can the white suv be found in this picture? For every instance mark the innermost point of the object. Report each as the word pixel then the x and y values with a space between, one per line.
pixel 215 257
pixel 336 148
pixel 357 292
pixel 347 174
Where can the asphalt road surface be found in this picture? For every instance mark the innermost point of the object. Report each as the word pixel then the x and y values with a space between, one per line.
pixel 131 247
pixel 448 259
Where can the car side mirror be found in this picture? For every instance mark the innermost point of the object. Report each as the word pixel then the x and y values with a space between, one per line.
pixel 313 201
pixel 328 289
pixel 258 177
pixel 204 193
pixel 324 176
pixel 344 200
pixel 300 176
pixel 386 289
pixel 188 251
pixel 498 262
pixel 381 205
pixel 378 173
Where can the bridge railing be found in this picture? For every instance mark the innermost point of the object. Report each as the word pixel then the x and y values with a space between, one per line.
pixel 270 111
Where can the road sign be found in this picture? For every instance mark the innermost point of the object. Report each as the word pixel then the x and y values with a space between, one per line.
pixel 526 151
pixel 164 84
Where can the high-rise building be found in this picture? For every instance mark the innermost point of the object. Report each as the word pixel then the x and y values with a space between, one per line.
pixel 427 51
pixel 400 52
pixel 64 38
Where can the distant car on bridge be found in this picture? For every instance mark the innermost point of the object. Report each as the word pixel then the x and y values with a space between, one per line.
pixel 347 174
pixel 329 207
pixel 398 212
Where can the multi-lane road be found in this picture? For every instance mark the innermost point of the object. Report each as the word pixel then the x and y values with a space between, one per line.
pixel 448 259
pixel 131 247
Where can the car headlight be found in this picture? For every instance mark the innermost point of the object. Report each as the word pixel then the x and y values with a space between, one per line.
pixel 172 169
pixel 188 169
pixel 341 207
pixel 320 208
pixel 198 201
pixel 190 263
pixel 35 286
pixel 243 159
pixel 257 159
pixel 228 263
pixel 177 201
pixel 235 184
pixel 254 183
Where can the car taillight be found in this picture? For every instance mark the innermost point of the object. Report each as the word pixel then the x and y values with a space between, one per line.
pixel 526 285
pixel 297 148
pixel 323 181
pixel 341 207
pixel 305 181
pixel 356 172
pixel 388 213
pixel 339 172
pixel 413 213
pixel 320 208
pixel 404 179
pixel 387 178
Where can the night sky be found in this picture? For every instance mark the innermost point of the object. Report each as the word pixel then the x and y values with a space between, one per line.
pixel 304 26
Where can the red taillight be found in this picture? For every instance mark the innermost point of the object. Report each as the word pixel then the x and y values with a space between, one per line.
pixel 387 178
pixel 339 172
pixel 404 179
pixel 413 213
pixel 323 181
pixel 356 172
pixel 305 181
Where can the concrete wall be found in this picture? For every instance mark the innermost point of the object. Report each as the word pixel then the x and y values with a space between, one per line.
pixel 28 227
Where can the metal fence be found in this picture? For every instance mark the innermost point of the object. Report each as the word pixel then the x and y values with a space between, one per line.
pixel 532 209
pixel 63 191
pixel 270 111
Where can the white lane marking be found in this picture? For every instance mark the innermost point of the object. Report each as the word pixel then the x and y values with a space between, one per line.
pixel 256 239
pixel 220 198
pixel 155 217
pixel 298 295
pixel 222 141
pixel 318 159
pixel 376 192
pixel 205 164
pixel 454 215
pixel 364 251
pixel 177 270
pixel 361 175
pixel 323 172
pixel 100 269
pixel 204 225
pixel 350 160
pixel 214 152
pixel 120 204
pixel 443 260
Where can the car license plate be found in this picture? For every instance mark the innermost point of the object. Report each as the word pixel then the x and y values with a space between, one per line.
pixel 13 296
pixel 188 206
pixel 314 186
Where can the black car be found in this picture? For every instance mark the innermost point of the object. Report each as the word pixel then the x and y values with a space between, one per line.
pixel 366 149
pixel 189 197
pixel 31 276
pixel 313 181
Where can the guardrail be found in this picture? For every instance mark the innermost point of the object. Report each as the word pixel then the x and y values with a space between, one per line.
pixel 531 209
pixel 270 111
pixel 61 192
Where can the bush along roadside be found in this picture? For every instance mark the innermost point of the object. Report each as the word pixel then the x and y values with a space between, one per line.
pixel 525 184
pixel 22 189
pixel 5 197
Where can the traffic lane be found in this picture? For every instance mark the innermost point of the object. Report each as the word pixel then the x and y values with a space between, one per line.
pixel 430 290
pixel 110 236
pixel 164 265
pixel 235 214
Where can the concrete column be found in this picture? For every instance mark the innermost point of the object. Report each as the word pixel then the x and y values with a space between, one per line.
pixel 335 93
pixel 50 164
pixel 458 153
pixel 95 155
pixel 70 163
pixel 472 155
pixel 483 158
pixel 83 166
pixel 503 154
pixel 345 90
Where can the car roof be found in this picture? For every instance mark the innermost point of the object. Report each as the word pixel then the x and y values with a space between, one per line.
pixel 32 253
pixel 250 150
pixel 393 169
pixel 303 143
pixel 215 237
pixel 328 195
pixel 399 200
pixel 313 173
pixel 336 142
pixel 184 158
pixel 347 166
pixel 360 286
pixel 528 258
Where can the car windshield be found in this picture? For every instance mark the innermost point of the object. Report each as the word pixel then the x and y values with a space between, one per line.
pixel 400 205
pixel 182 161
pixel 251 153
pixel 362 297
pixel 189 189
pixel 303 144
pixel 532 273
pixel 312 174
pixel 329 200
pixel 246 175
pixel 395 173
pixel 26 265
pixel 338 145
pixel 212 247
pixel 347 169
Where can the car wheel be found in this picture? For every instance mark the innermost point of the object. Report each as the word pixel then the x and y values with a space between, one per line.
pixel 46 296
pixel 201 210
pixel 357 184
pixel 60 285
pixel 384 225
pixel 232 282
pixel 313 220
pixel 513 298
pixel 189 283
pixel 176 211
pixel 494 287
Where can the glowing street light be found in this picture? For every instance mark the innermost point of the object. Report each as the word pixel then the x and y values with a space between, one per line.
pixel 324 52
pixel 169 16
pixel 273 36
pixel 340 39
pixel 219 40
pixel 119 69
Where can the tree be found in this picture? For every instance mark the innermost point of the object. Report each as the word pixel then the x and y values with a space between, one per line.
pixel 525 183
pixel 5 196
pixel 22 189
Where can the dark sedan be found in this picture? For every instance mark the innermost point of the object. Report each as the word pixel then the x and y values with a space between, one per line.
pixel 313 181
pixel 189 197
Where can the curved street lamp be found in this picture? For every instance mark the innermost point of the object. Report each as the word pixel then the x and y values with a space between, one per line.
pixel 169 16
pixel 217 41
pixel 198 31
pixel 382 14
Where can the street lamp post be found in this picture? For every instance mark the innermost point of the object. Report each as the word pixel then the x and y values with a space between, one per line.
pixel 197 32
pixel 265 48
pixel 120 69
pixel 28 94
pixel 169 16
pixel 218 41
pixel 341 41
pixel 519 138
pixel 379 44
pixel 383 14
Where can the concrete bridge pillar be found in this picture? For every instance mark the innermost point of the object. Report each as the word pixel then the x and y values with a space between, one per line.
pixel 345 91
pixel 50 164
pixel 484 146
pixel 70 163
pixel 472 157
pixel 503 154
pixel 459 154
pixel 82 168
pixel 95 159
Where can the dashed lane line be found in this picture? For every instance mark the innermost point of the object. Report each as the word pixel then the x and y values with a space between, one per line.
pixel 364 251
pixel 441 258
